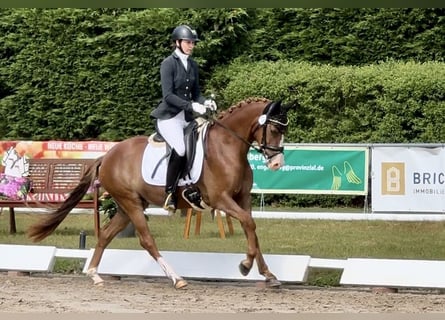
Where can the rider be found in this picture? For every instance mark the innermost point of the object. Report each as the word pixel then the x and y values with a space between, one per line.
pixel 181 97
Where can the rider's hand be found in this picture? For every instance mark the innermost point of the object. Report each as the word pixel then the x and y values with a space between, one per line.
pixel 199 108
pixel 211 104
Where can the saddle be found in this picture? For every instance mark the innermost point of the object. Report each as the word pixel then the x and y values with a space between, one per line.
pixel 191 135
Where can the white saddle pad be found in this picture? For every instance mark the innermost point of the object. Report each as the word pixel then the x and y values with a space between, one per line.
pixel 154 152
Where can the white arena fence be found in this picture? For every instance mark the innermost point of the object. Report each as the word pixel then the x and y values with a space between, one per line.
pixel 393 273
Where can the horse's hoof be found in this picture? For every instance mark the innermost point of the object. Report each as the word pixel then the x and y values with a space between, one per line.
pixel 181 284
pixel 97 282
pixel 273 283
pixel 243 269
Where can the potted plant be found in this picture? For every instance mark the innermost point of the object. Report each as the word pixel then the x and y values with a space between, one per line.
pixel 107 205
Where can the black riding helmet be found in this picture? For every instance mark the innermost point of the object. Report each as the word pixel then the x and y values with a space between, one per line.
pixel 184 32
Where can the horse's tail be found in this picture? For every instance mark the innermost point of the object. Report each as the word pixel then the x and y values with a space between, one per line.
pixel 47 225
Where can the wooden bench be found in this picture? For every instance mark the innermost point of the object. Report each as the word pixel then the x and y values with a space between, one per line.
pixel 52 180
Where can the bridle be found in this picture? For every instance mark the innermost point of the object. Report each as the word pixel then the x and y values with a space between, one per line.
pixel 263 121
pixel 263 146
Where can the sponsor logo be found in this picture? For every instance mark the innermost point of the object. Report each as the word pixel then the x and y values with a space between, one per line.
pixel 393 178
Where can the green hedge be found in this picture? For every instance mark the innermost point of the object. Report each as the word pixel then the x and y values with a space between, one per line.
pixel 349 36
pixel 80 74
pixel 391 102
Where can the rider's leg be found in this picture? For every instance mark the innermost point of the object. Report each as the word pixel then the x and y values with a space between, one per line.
pixel 173 132
pixel 174 171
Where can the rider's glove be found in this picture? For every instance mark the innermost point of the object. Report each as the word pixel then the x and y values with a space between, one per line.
pixel 198 108
pixel 211 104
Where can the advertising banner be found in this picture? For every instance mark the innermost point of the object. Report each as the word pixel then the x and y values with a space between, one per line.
pixel 408 179
pixel 15 157
pixel 310 170
pixel 56 149
pixel 313 170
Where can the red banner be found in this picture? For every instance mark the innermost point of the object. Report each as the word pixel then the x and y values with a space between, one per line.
pixel 57 149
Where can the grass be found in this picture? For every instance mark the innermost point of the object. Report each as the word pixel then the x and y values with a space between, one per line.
pixel 316 238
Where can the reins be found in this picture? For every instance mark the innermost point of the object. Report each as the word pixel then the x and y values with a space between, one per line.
pixel 259 149
pixel 213 120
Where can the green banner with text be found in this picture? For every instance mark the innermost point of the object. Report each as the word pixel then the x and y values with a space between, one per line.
pixel 313 170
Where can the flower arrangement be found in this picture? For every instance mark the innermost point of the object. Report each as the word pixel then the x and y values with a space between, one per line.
pixel 14 188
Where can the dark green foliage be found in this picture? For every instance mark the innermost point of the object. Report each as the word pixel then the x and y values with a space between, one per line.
pixel 324 277
pixel 308 201
pixel 391 102
pixel 69 266
pixel 79 74
pixel 357 36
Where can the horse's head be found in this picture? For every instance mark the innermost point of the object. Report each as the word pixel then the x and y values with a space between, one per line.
pixel 273 125
pixel 261 127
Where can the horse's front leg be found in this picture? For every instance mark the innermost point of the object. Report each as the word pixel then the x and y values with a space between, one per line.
pixel 249 227
pixel 253 247
pixel 254 251
pixel 263 269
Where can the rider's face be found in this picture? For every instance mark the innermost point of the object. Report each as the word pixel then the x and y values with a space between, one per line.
pixel 186 46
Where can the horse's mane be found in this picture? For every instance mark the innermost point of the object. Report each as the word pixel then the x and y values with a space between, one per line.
pixel 240 104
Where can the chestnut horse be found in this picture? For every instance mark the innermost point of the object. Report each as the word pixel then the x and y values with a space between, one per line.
pixel 225 182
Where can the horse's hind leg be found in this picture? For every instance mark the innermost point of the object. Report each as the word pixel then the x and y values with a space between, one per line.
pixel 136 213
pixel 148 243
pixel 108 232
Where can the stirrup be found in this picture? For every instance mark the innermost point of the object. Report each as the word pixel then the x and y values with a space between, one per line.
pixel 169 203
pixel 193 197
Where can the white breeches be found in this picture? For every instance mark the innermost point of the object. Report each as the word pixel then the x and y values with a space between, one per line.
pixel 173 132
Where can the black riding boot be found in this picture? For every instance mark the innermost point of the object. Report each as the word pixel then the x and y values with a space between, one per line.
pixel 174 171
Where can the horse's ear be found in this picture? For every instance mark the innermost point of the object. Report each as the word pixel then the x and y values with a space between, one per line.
pixel 289 106
pixel 273 108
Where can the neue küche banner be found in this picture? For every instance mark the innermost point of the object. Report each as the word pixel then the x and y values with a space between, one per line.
pixel 313 170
